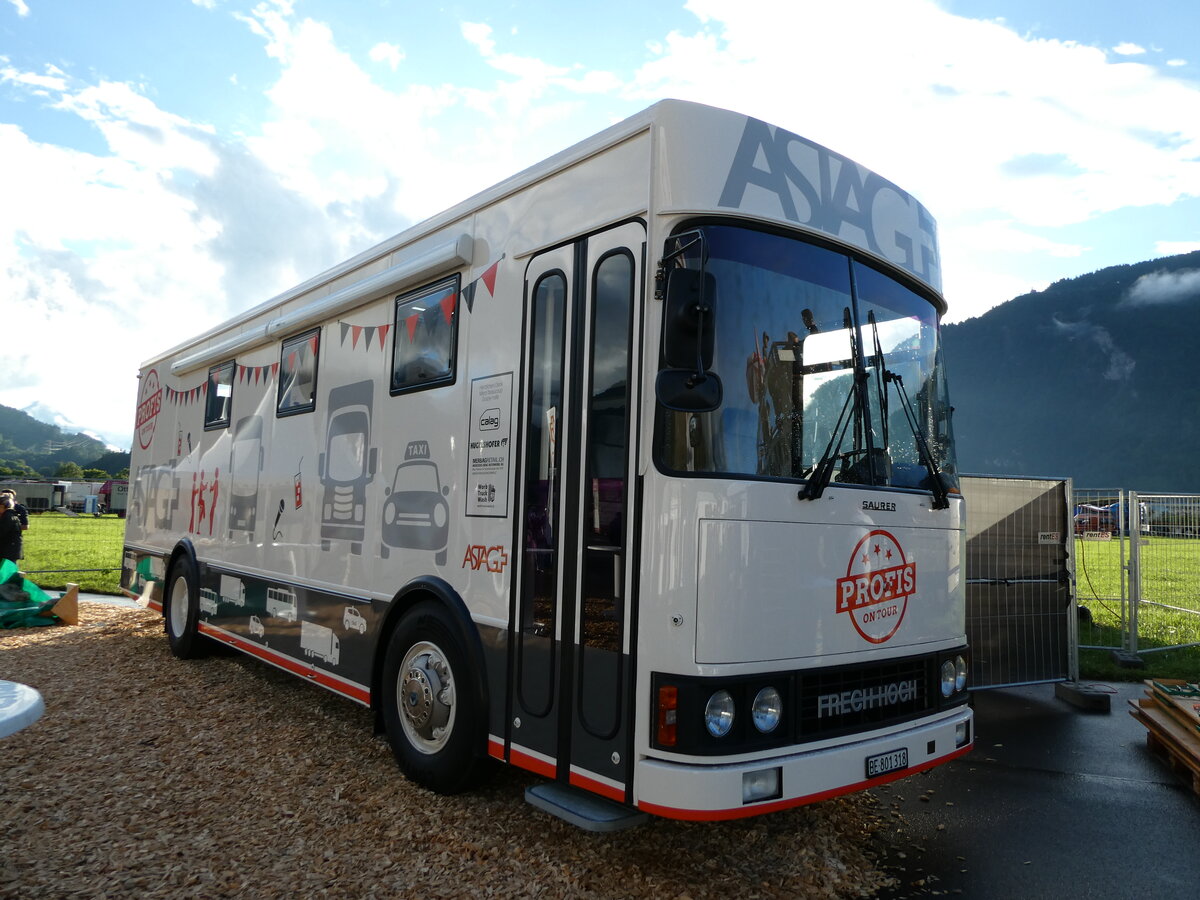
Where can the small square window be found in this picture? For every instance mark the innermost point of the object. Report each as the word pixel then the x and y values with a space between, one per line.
pixel 298 373
pixel 219 403
pixel 424 337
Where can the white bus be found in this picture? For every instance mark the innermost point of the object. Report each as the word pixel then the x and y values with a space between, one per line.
pixel 689 538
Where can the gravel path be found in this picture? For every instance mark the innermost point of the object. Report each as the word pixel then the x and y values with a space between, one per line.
pixel 150 777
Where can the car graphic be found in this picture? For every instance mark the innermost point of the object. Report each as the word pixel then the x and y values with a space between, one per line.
pixel 256 627
pixel 352 620
pixel 416 515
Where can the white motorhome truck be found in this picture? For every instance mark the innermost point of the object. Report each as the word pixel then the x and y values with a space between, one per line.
pixel 693 539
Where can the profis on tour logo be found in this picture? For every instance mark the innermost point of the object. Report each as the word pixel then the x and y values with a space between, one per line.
pixel 878 582
pixel 149 404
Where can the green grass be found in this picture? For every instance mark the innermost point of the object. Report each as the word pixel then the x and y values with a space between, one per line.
pixel 70 546
pixel 1170 575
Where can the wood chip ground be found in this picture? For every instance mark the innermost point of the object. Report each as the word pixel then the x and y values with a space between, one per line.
pixel 150 777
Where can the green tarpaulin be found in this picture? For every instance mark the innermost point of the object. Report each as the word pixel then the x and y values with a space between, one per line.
pixel 21 601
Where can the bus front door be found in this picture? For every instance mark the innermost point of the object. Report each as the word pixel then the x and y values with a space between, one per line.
pixel 572 677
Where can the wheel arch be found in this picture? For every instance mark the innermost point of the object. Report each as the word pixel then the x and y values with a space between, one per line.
pixel 435 590
pixel 183 549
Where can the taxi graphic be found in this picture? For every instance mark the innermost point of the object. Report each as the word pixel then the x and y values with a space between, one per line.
pixel 416 515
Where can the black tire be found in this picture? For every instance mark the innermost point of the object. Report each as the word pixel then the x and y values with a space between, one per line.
pixel 181 611
pixel 431 711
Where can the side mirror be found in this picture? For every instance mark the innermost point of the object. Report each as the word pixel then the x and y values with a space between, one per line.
pixel 683 390
pixel 688 322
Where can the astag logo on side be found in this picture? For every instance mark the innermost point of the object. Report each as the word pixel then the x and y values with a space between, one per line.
pixel 878 582
pixel 477 557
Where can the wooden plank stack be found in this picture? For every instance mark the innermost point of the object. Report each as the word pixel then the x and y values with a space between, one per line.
pixel 1171 713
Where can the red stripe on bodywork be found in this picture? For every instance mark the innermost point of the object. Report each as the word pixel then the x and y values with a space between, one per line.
pixel 347 689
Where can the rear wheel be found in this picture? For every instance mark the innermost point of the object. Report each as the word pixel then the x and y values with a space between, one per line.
pixel 181 611
pixel 430 709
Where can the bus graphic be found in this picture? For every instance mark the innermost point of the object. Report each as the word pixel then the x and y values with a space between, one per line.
pixel 347 466
pixel 246 466
pixel 415 513
pixel 281 603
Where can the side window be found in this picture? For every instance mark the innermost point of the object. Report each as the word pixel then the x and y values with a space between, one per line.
pixel 298 373
pixel 424 337
pixel 219 402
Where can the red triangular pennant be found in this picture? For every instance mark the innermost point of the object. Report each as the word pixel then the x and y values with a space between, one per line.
pixel 383 330
pixel 411 322
pixel 447 305
pixel 489 277
pixel 355 334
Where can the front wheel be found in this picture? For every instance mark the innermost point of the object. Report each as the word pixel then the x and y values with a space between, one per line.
pixel 430 710
pixel 181 611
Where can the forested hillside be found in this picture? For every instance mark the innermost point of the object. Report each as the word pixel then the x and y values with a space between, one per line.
pixel 1093 378
pixel 29 448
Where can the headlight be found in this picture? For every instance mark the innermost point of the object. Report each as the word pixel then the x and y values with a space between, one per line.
pixel 439 515
pixel 960 673
pixel 948 678
pixel 718 714
pixel 767 710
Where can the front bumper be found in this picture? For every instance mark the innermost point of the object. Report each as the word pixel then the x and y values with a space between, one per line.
pixel 713 792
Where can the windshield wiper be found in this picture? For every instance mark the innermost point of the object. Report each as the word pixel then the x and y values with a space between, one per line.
pixel 822 472
pixel 941 496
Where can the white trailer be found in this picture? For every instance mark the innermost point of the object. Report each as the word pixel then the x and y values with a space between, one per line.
pixel 319 642
pixel 638 466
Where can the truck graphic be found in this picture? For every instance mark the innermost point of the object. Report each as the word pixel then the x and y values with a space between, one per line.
pixel 347 465
pixel 208 601
pixel 415 513
pixel 281 603
pixel 232 590
pixel 245 465
pixel 319 642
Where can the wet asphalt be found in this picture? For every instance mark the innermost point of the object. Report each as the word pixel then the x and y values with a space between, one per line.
pixel 1054 802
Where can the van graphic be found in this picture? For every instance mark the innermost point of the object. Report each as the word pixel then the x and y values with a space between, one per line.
pixel 245 464
pixel 347 466
pixel 416 515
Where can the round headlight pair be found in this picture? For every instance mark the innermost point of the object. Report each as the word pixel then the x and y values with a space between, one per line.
pixel 953 676
pixel 765 712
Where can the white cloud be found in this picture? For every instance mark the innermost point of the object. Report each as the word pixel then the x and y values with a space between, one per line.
pixel 1127 48
pixel 20 6
pixel 1159 288
pixel 1177 62
pixel 1172 248
pixel 387 53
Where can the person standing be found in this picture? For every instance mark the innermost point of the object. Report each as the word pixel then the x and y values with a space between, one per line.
pixel 21 511
pixel 10 529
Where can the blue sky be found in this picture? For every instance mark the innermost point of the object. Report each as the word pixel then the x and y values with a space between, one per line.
pixel 169 163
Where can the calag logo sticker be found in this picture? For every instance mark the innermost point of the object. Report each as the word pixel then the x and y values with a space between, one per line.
pixel 878 583
pixel 149 404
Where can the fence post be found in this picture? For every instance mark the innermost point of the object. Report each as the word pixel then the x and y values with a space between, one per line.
pixel 1134 530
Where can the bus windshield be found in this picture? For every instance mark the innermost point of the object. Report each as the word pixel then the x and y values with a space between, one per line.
pixel 830 368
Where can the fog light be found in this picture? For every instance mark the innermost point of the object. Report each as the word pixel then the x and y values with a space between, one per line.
pixel 767 710
pixel 765 784
pixel 962 733
pixel 718 714
pixel 960 673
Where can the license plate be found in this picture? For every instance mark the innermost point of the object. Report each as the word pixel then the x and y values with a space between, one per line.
pixel 882 763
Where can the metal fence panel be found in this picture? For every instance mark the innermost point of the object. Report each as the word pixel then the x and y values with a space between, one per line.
pixel 1101 567
pixel 1165 576
pixel 1020 606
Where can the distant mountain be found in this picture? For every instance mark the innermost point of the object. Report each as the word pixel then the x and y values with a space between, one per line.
pixel 28 443
pixel 1094 378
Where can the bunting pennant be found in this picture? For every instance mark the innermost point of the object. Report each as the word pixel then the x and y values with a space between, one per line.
pixel 255 374
pixel 186 396
pixel 489 281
